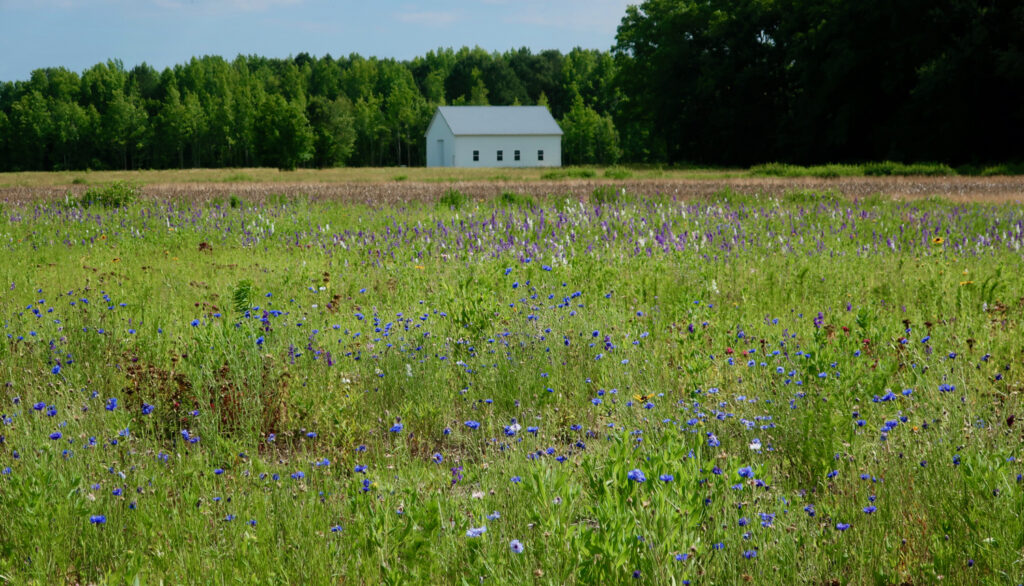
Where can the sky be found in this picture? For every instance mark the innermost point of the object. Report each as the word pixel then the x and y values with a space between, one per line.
pixel 77 34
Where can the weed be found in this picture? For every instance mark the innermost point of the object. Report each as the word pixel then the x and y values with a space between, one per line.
pixel 453 199
pixel 116 195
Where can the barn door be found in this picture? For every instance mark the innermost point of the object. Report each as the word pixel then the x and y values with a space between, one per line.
pixel 440 153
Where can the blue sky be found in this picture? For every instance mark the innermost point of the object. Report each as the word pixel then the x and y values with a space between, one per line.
pixel 77 34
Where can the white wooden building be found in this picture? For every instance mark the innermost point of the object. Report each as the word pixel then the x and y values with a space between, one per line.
pixel 494 136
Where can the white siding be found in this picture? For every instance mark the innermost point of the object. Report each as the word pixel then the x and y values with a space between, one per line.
pixel 440 144
pixel 488 146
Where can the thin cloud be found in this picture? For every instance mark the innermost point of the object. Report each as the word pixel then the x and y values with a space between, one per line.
pixel 604 15
pixel 427 18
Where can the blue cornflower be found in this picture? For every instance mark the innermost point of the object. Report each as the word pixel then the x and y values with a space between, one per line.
pixel 666 478
pixel 98 519
pixel 473 424
pixel 111 404
pixel 494 516
pixel 437 458
pixel 218 471
pixel 516 546
pixel 842 526
pixel 870 509
pixel 476 531
pixel 195 323
pixel 396 428
pixel 56 435
pixel 750 554
pixel 636 475
pixel 298 475
pixel 745 472
pixel 147 408
pixel 55 369
pixel 336 529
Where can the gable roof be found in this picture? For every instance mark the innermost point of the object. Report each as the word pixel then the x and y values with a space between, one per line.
pixel 486 120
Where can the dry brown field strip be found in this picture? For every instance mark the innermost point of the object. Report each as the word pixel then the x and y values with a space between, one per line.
pixel 963 189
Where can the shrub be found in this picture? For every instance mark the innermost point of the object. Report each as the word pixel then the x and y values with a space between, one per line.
pixel 617 173
pixel 453 199
pixel 513 199
pixel 772 170
pixel 115 195
pixel 893 168
pixel 570 172
pixel 1003 169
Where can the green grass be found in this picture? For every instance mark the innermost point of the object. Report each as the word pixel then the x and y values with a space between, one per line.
pixel 301 337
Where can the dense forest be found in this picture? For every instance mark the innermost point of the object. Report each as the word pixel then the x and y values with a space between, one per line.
pixel 700 81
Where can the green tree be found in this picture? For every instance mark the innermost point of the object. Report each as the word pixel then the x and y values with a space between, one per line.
pixel 334 130
pixel 31 127
pixel 588 137
pixel 283 136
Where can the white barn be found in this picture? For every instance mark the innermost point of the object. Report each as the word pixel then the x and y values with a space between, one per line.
pixel 494 136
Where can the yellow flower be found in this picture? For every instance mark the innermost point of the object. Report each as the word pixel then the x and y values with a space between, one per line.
pixel 965 283
pixel 938 240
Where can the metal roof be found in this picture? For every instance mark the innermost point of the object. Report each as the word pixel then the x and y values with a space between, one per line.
pixel 485 120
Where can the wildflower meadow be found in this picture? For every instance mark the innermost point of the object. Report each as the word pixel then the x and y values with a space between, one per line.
pixel 622 388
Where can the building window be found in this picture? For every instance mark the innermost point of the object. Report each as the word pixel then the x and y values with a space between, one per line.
pixel 499 155
pixel 540 155
pixel 516 155
pixel 476 155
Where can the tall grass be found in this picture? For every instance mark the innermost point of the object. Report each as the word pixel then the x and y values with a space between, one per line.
pixel 813 390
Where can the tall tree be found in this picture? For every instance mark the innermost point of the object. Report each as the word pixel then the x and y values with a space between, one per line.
pixel 334 130
pixel 283 135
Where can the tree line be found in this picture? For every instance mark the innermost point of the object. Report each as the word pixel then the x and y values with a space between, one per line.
pixel 705 81
pixel 301 111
